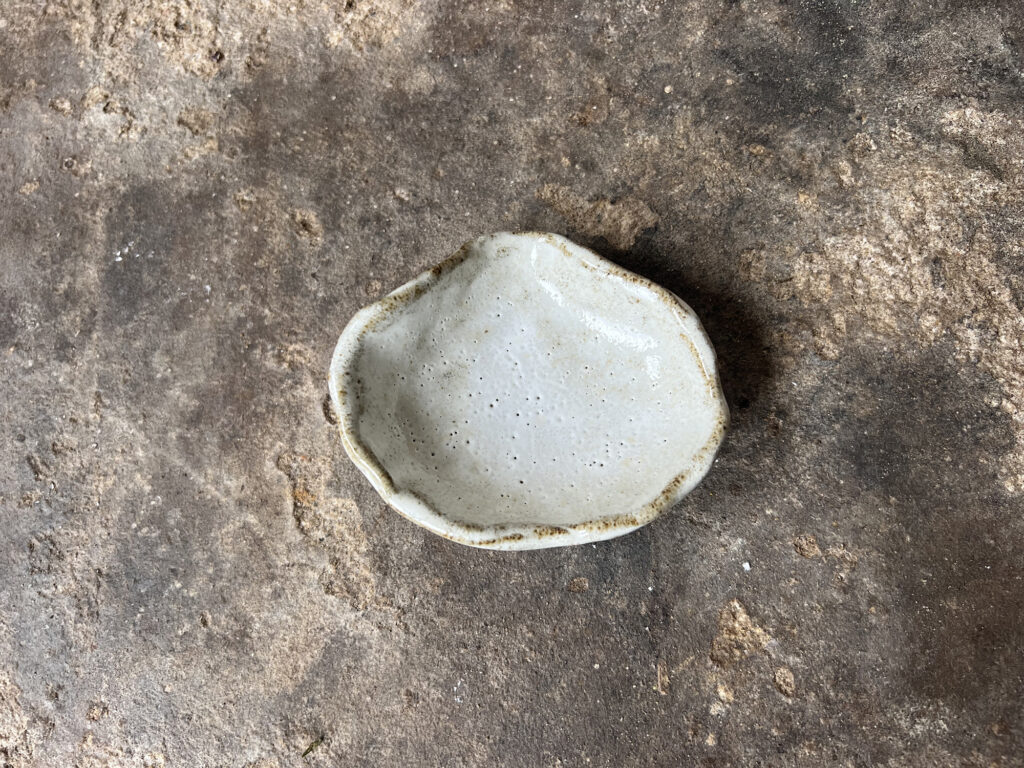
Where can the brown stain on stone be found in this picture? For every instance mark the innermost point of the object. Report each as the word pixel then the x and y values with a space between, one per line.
pixel 619 223
pixel 20 730
pixel 369 23
pixel 925 260
pixel 332 523
pixel 196 120
pixel 738 635
pixel 306 225
pixel 579 584
pixel 806 545
pixel 785 682
pixel 187 32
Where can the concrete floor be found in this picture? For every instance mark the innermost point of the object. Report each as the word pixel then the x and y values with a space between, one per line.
pixel 197 194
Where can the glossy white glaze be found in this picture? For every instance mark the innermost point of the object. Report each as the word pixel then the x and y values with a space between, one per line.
pixel 527 393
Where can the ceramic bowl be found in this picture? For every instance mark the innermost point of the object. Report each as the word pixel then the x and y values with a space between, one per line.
pixel 528 393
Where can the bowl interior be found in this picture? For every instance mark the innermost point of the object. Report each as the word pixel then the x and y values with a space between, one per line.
pixel 531 385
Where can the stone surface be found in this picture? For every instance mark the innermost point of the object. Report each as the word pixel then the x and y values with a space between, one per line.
pixel 197 195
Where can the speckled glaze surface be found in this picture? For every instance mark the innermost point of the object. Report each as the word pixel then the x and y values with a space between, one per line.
pixel 527 393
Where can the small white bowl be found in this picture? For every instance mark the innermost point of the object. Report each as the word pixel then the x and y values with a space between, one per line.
pixel 528 393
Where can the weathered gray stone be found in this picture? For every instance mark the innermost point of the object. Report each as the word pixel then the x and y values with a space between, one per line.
pixel 197 195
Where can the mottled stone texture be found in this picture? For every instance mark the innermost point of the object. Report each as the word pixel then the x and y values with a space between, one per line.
pixel 197 194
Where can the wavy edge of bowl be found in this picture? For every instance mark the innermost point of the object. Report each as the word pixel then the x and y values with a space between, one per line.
pixel 533 536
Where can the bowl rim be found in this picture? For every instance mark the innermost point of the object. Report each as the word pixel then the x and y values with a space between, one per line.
pixel 522 536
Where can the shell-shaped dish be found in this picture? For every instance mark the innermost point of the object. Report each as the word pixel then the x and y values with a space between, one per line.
pixel 528 393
